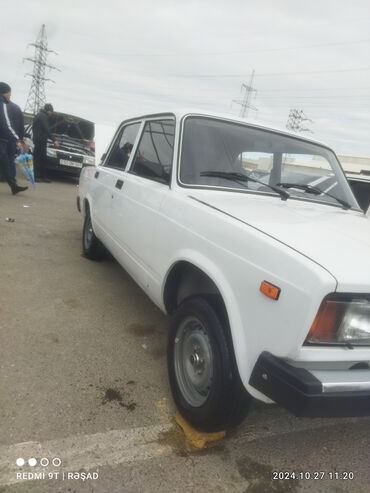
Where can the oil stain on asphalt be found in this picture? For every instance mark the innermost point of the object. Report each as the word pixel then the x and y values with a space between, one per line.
pixel 156 345
pixel 114 395
pixel 259 477
pixel 142 330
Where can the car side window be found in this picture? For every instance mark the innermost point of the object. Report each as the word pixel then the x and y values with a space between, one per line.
pixel 153 159
pixel 120 153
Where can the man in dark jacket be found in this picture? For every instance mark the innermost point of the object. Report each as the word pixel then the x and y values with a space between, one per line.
pixel 41 133
pixel 17 122
pixel 9 137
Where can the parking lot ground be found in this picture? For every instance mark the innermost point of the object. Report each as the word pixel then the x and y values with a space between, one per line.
pixel 83 379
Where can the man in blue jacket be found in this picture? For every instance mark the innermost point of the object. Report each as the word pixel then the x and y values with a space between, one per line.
pixel 9 138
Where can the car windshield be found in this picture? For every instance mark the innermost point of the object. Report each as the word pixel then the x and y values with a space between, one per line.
pixel 214 148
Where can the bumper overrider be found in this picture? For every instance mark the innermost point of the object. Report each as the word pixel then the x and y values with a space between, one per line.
pixel 312 393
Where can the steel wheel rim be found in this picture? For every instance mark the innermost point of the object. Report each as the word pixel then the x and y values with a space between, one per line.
pixel 88 233
pixel 193 357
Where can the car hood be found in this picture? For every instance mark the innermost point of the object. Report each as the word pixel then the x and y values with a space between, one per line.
pixel 336 239
pixel 71 126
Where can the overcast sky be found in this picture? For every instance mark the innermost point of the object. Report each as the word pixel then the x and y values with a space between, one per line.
pixel 119 58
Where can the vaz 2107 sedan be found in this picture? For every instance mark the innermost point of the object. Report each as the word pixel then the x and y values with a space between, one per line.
pixel 253 241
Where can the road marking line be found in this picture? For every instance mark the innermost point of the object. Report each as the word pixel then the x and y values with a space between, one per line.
pixel 89 452
pixel 85 451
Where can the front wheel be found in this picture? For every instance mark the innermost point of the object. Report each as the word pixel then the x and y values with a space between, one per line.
pixel 92 248
pixel 204 379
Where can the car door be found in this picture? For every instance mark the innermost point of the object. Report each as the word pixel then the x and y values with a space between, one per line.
pixel 109 178
pixel 136 205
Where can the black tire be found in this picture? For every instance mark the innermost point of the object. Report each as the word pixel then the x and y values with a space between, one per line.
pixel 204 379
pixel 92 248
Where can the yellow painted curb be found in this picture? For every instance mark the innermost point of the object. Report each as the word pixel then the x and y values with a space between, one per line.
pixel 198 439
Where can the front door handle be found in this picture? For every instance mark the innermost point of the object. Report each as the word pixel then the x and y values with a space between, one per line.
pixel 119 184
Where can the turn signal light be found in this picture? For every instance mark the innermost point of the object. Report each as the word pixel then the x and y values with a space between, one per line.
pixel 270 290
pixel 325 323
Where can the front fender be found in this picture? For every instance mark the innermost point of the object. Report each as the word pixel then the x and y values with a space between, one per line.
pixel 217 275
pixel 258 323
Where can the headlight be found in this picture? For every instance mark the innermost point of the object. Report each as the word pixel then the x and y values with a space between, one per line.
pixel 89 160
pixel 355 326
pixel 341 322
pixel 51 152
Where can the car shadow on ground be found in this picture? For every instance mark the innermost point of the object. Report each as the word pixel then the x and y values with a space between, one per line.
pixel 63 177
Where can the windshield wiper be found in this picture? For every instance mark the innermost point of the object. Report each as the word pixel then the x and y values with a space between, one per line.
pixel 314 191
pixel 240 177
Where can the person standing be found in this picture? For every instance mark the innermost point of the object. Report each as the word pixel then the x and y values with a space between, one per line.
pixel 41 134
pixel 17 122
pixel 9 138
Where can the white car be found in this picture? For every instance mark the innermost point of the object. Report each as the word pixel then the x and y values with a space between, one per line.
pixel 252 239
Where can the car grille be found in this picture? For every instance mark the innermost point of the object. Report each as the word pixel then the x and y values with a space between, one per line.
pixel 70 157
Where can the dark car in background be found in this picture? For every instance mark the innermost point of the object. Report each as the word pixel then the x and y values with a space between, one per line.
pixel 76 147
pixel 357 170
pixel 360 184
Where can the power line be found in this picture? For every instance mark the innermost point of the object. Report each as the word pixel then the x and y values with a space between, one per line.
pixel 239 52
pixel 318 105
pixel 272 74
pixel 346 89
pixel 339 96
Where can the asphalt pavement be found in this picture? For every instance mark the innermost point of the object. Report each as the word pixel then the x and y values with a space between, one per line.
pixel 84 389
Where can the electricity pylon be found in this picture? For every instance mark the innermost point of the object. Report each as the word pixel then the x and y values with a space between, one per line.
pixel 245 103
pixel 36 97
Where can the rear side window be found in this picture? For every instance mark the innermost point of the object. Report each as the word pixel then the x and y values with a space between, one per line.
pixel 120 154
pixel 153 159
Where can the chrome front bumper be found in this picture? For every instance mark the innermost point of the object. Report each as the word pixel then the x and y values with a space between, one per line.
pixel 313 393
pixel 343 380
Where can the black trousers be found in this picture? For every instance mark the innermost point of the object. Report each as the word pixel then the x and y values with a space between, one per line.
pixel 39 159
pixel 6 164
pixel 12 152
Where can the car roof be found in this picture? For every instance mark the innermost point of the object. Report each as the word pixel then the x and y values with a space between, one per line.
pixel 182 112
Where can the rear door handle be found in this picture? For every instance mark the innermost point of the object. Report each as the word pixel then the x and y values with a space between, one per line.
pixel 96 174
pixel 119 184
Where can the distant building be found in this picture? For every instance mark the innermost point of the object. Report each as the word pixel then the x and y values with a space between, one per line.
pixel 355 164
pixel 263 162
